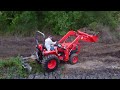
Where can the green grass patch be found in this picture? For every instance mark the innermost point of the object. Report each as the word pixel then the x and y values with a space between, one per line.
pixel 36 67
pixel 12 68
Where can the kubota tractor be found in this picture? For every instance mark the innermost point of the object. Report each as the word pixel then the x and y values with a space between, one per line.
pixel 67 50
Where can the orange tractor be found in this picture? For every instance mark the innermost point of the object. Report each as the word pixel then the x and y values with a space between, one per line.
pixel 67 49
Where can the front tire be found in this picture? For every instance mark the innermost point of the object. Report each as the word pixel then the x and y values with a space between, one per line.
pixel 50 63
pixel 73 59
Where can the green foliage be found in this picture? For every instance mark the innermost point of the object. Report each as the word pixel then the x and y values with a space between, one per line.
pixel 10 62
pixel 62 21
pixel 11 68
pixel 108 18
pixel 3 23
pixel 26 22
pixel 36 68
pixel 93 25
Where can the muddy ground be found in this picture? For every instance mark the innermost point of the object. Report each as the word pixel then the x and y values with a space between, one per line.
pixel 96 60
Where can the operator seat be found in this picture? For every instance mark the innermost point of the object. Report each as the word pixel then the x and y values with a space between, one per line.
pixel 44 46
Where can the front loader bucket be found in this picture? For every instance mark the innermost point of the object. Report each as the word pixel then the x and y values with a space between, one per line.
pixel 94 38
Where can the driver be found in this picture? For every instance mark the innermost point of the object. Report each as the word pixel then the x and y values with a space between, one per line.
pixel 49 44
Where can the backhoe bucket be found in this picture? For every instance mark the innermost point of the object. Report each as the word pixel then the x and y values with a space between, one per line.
pixel 24 61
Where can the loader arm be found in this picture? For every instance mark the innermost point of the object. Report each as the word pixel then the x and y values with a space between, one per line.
pixel 70 33
pixel 80 36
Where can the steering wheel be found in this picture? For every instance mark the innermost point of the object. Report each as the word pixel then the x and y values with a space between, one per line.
pixel 59 45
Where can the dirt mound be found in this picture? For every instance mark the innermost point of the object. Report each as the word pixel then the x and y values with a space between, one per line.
pixel 106 35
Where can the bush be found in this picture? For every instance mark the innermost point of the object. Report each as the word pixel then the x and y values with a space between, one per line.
pixel 59 22
pixel 11 68
pixel 62 21
pixel 93 26
pixel 3 24
pixel 24 23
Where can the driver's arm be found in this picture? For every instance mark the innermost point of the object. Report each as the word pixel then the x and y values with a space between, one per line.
pixel 53 42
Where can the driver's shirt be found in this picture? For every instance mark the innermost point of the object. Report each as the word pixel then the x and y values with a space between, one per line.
pixel 48 43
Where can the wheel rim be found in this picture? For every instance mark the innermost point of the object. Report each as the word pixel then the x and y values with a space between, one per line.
pixel 75 59
pixel 51 64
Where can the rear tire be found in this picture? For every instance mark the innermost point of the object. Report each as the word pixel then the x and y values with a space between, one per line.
pixel 73 59
pixel 50 63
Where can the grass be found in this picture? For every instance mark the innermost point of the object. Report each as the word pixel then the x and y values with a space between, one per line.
pixel 12 68
pixel 36 68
